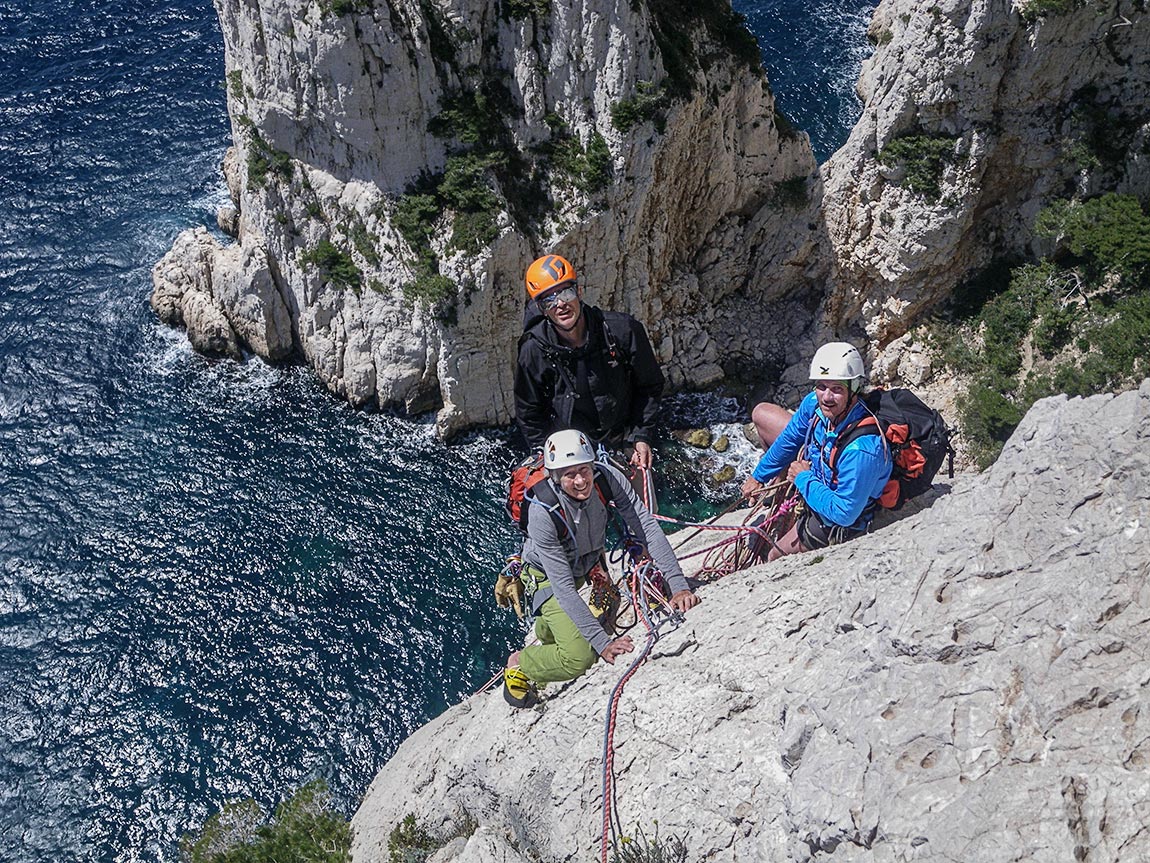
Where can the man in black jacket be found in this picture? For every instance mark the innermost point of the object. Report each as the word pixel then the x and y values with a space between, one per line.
pixel 583 368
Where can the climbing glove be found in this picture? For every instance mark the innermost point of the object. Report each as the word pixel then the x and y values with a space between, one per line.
pixel 509 593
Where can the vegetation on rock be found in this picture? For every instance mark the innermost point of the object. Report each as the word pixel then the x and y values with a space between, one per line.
pixel 411 842
pixel 520 9
pixel 923 158
pixel 1077 322
pixel 264 159
pixel 339 8
pixel 640 849
pixel 1036 9
pixel 302 830
pixel 335 265
pixel 791 194
pixel 650 103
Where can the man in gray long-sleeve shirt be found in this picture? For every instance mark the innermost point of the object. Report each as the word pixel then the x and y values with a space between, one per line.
pixel 557 561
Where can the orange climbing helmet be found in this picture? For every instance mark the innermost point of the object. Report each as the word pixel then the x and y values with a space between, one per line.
pixel 547 274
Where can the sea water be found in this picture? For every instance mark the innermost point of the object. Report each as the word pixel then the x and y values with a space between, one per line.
pixel 217 581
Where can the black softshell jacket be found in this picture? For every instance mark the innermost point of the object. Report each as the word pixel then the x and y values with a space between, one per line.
pixel 625 387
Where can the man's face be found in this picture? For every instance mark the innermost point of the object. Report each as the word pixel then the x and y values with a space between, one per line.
pixel 577 481
pixel 562 306
pixel 834 399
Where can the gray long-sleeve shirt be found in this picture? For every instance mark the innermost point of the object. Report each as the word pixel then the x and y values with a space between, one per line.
pixel 587 521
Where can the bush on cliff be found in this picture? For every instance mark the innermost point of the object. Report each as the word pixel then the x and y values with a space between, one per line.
pixel 303 830
pixel 1076 323
pixel 411 842
pixel 335 265
pixel 923 159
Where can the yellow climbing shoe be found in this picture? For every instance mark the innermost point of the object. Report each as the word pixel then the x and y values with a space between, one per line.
pixel 518 690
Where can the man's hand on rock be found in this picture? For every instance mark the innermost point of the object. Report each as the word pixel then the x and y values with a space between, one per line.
pixel 683 600
pixel 617 647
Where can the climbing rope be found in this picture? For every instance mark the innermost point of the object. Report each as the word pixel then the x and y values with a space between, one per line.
pixel 738 550
pixel 645 588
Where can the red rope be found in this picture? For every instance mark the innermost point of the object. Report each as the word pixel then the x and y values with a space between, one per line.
pixel 639 597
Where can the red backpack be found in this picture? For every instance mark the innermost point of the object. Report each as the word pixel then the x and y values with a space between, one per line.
pixel 529 478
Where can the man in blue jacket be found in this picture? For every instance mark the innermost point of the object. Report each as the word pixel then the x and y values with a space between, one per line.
pixel 840 488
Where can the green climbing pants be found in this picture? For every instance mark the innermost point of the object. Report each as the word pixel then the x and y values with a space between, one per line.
pixel 564 653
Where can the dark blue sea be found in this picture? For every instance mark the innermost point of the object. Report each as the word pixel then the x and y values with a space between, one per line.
pixel 216 581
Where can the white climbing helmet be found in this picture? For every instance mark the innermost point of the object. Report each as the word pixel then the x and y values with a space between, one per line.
pixel 838 361
pixel 567 448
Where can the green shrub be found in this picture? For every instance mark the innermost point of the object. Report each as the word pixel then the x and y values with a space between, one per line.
pixel 236 84
pixel 648 104
pixel 1110 234
pixel 520 9
pixel 923 157
pixel 409 842
pixel 473 231
pixel 339 8
pixel 414 217
pixel 588 170
pixel 335 265
pixel 364 242
pixel 1086 314
pixel 470 118
pixel 465 185
pixel 1036 9
pixel 302 830
pixel 988 418
pixel 791 194
pixel 264 159
pixel 640 849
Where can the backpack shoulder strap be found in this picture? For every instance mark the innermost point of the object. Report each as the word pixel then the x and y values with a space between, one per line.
pixel 867 425
pixel 542 493
pixel 603 487
pixel 615 340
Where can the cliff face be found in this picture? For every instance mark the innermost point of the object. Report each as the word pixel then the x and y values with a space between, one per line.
pixel 968 683
pixel 398 163
pixel 977 114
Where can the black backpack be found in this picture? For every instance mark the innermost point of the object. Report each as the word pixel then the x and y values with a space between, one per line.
pixel 918 437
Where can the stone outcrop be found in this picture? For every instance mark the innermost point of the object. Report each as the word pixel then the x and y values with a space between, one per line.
pixel 998 109
pixel 398 163
pixel 966 684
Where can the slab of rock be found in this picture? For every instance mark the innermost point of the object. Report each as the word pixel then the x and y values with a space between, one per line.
pixel 968 683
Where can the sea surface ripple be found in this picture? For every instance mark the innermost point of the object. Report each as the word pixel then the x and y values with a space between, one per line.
pixel 216 581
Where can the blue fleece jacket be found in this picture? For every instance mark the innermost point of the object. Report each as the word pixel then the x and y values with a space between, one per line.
pixel 863 466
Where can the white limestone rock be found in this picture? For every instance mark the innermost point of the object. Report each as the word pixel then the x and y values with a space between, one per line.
pixel 227 298
pixel 967 683
pixel 335 116
pixel 1016 101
